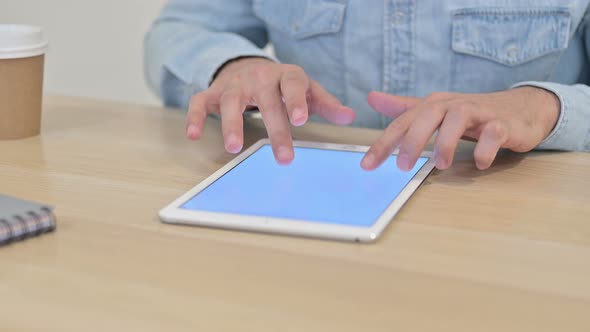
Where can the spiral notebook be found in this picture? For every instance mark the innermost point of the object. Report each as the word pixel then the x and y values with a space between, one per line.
pixel 20 219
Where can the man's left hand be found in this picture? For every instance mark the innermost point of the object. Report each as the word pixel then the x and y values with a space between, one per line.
pixel 517 119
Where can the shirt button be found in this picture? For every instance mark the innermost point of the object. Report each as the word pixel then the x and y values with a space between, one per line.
pixel 398 18
pixel 296 27
pixel 512 52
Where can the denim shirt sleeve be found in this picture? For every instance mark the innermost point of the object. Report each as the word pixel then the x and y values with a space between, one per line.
pixel 572 131
pixel 192 39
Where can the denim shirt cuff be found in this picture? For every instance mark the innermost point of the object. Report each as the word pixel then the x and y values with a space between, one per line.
pixel 566 133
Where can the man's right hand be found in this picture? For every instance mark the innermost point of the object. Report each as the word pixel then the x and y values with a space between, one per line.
pixel 283 93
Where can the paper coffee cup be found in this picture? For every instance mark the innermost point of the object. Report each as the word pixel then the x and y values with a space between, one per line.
pixel 22 56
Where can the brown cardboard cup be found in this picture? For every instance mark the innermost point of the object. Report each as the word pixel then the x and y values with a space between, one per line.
pixel 22 50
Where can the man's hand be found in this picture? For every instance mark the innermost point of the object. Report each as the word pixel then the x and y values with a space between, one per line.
pixel 282 93
pixel 517 119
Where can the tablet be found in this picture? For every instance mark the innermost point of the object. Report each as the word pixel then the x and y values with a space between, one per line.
pixel 323 193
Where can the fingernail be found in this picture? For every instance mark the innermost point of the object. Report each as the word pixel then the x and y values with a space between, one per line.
pixel 403 162
pixel 298 116
pixel 284 155
pixel 191 131
pixel 233 143
pixel 482 165
pixel 368 161
pixel 347 116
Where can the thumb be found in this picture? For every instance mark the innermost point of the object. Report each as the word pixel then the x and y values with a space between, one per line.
pixel 390 105
pixel 329 107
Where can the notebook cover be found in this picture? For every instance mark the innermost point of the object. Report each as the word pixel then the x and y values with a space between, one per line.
pixel 11 207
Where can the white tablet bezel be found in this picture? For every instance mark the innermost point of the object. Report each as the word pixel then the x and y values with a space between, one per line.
pixel 174 214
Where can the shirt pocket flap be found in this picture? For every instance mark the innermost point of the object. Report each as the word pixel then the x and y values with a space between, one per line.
pixel 510 36
pixel 300 18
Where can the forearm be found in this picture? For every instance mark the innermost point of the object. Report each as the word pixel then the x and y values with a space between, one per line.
pixel 187 45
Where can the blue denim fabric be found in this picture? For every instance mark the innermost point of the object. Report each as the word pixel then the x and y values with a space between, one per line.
pixel 403 47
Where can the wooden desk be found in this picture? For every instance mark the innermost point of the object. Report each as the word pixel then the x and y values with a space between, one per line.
pixel 502 250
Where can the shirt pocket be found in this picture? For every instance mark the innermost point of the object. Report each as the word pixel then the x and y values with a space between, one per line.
pixel 308 33
pixel 301 19
pixel 494 48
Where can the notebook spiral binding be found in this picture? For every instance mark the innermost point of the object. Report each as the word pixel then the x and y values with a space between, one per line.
pixel 21 227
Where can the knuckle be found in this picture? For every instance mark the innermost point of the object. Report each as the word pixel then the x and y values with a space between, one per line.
pixel 496 130
pixel 236 80
pixel 294 69
pixel 262 72
pixel 294 100
pixel 197 98
pixel 394 126
pixel 410 143
pixel 398 125
pixel 437 109
pixel 409 147
pixel 380 147
pixel 230 97
pixel 413 134
pixel 197 103
pixel 194 114
pixel 294 79
pixel 443 146
pixel 290 81
pixel 462 109
pixel 268 102
pixel 437 96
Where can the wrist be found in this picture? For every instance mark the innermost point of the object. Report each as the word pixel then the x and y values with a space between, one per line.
pixel 552 105
pixel 546 104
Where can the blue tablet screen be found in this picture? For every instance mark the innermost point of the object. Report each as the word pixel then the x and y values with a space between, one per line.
pixel 324 186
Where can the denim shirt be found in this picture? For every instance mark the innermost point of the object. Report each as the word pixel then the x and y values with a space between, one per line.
pixel 402 47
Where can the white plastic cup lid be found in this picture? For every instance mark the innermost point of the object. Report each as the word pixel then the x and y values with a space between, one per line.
pixel 21 41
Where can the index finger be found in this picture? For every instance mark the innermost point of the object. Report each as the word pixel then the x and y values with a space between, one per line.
pixel 428 118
